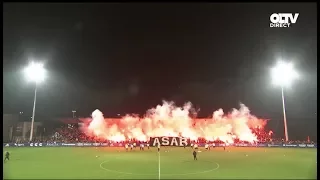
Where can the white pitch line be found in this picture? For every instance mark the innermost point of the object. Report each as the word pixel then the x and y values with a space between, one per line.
pixel 159 163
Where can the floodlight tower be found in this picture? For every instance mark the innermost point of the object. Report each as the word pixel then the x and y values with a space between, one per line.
pixel 283 74
pixel 36 73
pixel 73 113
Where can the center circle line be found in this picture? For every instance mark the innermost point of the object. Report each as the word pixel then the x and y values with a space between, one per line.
pixel 179 174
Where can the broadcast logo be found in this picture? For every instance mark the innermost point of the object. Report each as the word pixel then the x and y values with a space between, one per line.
pixel 283 20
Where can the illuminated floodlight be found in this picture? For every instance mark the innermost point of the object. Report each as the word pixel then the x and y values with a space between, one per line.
pixel 35 72
pixel 283 74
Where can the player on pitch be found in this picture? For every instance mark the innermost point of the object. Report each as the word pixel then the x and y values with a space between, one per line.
pixel 7 156
pixel 195 155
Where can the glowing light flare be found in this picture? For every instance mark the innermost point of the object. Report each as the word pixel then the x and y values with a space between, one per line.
pixel 35 72
pixel 270 133
pixel 283 74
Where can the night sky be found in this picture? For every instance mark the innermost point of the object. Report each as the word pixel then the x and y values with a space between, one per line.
pixel 127 58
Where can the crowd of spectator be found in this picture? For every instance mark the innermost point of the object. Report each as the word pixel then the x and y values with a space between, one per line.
pixel 72 134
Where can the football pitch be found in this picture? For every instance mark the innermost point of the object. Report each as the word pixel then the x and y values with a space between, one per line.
pixel 170 163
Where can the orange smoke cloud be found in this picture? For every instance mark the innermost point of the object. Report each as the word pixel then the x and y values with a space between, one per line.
pixel 170 120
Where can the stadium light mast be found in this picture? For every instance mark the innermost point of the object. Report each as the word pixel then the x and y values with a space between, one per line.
pixel 73 113
pixel 283 74
pixel 36 73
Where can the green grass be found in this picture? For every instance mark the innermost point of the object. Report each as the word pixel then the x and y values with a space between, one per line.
pixel 178 163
